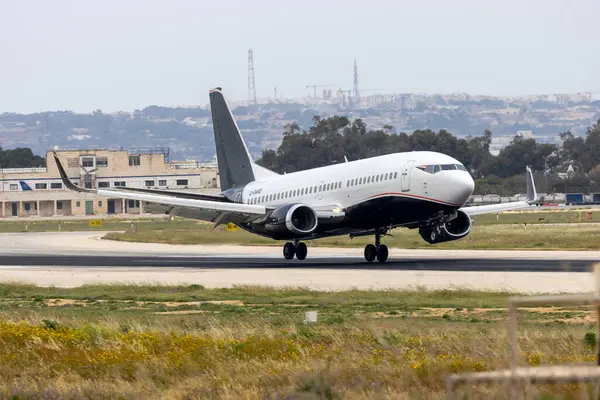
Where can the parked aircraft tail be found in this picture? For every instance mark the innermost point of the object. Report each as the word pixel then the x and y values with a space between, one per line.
pixel 24 185
pixel 236 167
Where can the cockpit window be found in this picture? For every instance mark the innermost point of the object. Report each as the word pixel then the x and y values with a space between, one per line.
pixel 432 169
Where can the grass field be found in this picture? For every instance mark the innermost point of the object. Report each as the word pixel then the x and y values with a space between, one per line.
pixel 482 236
pixel 511 230
pixel 135 342
pixel 70 225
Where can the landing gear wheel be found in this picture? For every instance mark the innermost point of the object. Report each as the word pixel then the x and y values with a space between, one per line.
pixel 289 250
pixel 382 254
pixel 433 236
pixel 301 251
pixel 370 252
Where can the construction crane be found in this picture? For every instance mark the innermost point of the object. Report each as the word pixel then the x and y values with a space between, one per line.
pixel 361 90
pixel 316 86
pixel 350 99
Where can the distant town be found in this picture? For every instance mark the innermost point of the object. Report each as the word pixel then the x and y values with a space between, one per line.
pixel 187 131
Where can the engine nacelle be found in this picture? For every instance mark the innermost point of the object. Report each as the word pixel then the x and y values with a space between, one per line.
pixel 455 229
pixel 292 220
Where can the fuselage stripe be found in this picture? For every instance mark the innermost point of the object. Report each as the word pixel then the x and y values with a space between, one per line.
pixel 415 196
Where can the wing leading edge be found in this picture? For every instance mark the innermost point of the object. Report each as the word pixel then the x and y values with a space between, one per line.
pixel 166 198
pixel 516 205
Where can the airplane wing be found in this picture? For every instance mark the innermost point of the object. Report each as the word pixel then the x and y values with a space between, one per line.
pixel 516 205
pixel 185 195
pixel 198 206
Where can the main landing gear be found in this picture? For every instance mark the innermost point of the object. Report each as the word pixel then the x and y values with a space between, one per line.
pixel 378 250
pixel 297 248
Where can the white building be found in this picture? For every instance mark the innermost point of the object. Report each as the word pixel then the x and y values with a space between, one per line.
pixel 40 192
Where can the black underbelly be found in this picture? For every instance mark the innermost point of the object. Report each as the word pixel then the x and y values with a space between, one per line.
pixel 393 210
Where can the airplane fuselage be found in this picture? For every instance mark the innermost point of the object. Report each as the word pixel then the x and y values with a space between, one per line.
pixel 392 190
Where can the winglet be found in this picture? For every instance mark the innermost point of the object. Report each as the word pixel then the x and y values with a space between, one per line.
pixel 66 181
pixel 531 192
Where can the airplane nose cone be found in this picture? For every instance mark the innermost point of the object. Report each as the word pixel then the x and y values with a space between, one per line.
pixel 462 187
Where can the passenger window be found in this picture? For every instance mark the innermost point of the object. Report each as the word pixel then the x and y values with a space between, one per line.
pixel 395 175
pixel 386 176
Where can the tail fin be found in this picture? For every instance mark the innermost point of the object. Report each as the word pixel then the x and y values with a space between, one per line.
pixel 236 167
pixel 24 185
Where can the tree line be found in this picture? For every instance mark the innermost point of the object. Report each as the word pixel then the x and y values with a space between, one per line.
pixel 328 140
pixel 21 157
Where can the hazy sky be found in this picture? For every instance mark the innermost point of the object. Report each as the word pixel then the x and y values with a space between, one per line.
pixel 121 55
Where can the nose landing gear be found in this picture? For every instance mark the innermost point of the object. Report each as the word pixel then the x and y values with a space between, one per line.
pixel 378 250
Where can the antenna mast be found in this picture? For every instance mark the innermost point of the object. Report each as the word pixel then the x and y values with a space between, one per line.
pixel 251 87
pixel 356 93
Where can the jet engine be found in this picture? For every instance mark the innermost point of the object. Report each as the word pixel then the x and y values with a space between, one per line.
pixel 454 229
pixel 291 221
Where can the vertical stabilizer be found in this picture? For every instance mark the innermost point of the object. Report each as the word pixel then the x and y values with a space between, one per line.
pixel 236 167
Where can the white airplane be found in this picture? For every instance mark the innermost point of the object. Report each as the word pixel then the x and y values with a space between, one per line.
pixel 421 190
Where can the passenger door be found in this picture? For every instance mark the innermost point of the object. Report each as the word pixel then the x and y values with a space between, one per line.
pixel 405 177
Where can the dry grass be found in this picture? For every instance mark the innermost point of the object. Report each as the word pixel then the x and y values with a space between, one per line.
pixel 501 236
pixel 60 343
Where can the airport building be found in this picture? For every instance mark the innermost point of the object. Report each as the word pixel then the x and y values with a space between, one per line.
pixel 40 192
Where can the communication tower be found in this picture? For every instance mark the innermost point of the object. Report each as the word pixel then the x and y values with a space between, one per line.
pixel 356 93
pixel 251 88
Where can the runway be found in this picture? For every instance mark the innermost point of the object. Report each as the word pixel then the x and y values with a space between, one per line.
pixel 338 263
pixel 74 258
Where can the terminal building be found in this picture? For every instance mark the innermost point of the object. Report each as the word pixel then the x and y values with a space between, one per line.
pixel 40 192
